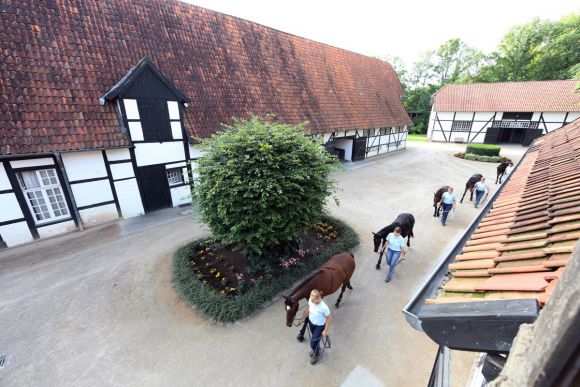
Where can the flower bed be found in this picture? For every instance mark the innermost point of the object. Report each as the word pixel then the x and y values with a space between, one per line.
pixel 215 280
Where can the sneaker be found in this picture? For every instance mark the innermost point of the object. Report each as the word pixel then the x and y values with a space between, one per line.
pixel 443 224
pixel 311 353
pixel 387 279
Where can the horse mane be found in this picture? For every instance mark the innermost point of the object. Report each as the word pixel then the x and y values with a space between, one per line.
pixel 305 281
pixel 385 230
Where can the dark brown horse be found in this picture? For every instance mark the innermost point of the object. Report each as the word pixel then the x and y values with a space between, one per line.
pixel 336 272
pixel 501 171
pixel 470 185
pixel 405 221
pixel 437 199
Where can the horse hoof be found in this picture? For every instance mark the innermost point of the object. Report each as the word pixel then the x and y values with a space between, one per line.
pixel 378 267
pixel 337 305
pixel 300 338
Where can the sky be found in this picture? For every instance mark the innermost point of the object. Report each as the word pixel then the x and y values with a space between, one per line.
pixel 401 28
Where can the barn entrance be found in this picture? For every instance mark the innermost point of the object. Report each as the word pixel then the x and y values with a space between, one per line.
pixel 511 136
pixel 156 195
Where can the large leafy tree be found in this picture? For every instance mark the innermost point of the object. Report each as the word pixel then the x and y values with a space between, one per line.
pixel 261 184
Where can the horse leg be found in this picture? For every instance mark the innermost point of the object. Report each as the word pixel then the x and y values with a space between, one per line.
pixel 348 285
pixel 378 266
pixel 409 239
pixel 340 297
pixel 464 192
pixel 471 194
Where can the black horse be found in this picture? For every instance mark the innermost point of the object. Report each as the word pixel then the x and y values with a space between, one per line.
pixel 405 221
pixel 437 199
pixel 470 185
pixel 501 171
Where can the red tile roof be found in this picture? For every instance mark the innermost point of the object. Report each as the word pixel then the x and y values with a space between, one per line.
pixel 523 244
pixel 59 57
pixel 536 96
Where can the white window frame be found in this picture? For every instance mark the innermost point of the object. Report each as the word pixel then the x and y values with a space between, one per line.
pixel 179 172
pixel 461 126
pixel 53 184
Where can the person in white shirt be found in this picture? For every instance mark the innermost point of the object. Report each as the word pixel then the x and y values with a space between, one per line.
pixel 481 188
pixel 319 319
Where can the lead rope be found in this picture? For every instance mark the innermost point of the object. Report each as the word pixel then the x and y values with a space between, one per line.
pixel 298 318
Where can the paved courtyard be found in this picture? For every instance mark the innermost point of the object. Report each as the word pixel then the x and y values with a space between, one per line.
pixel 98 308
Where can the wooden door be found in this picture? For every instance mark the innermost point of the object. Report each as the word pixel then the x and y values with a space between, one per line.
pixel 492 135
pixel 155 187
pixel 359 148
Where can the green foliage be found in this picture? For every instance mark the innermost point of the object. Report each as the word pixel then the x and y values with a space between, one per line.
pixel 417 137
pixel 224 309
pixel 261 184
pixel 483 149
pixel 489 159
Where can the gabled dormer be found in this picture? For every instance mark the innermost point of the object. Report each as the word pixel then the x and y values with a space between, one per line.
pixel 150 104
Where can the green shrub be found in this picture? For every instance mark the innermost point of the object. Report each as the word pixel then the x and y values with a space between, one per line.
pixel 224 309
pixel 489 159
pixel 261 184
pixel 483 149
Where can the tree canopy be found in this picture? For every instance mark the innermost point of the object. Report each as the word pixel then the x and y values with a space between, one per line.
pixel 261 184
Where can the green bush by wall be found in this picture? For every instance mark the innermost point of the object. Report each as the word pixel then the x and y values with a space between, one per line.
pixel 489 159
pixel 483 149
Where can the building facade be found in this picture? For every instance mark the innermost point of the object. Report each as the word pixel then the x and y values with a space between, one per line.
pixel 103 105
pixel 510 112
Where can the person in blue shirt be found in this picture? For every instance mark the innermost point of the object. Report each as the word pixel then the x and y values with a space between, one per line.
pixel 448 201
pixel 481 188
pixel 319 319
pixel 394 245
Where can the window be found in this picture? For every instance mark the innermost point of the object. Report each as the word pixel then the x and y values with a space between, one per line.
pixel 44 195
pixel 461 126
pixel 384 131
pixel 174 176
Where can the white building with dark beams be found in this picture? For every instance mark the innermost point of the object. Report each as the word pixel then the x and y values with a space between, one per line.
pixel 507 112
pixel 102 104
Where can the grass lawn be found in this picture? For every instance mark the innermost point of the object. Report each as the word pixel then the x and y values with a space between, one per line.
pixel 417 137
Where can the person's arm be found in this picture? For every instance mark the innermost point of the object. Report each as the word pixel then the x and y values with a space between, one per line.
pixel 328 320
pixel 385 245
pixel 304 315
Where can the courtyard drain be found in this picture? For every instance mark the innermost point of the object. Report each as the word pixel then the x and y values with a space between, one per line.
pixel 2 361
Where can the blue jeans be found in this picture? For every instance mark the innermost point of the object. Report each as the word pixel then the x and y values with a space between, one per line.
pixel 392 257
pixel 478 196
pixel 446 209
pixel 316 332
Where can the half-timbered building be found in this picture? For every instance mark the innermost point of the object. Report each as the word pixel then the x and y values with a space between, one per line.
pixel 102 104
pixel 507 112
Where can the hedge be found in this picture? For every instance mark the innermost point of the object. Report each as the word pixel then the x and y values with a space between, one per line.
pixel 483 149
pixel 489 159
pixel 225 309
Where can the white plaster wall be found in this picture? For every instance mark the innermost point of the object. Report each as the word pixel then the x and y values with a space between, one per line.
pixel 175 165
pixel 325 137
pixel 479 138
pixel 536 116
pixel 195 152
pixel 9 208
pixel 554 117
pixel 176 130
pixel 180 195
pixel 572 116
pixel 463 116
pixel 136 131
pixel 118 154
pixel 131 109
pixel 483 116
pixel 445 115
pixel 122 171
pixel 91 193
pixel 173 108
pixel 437 136
pixel 97 215
pixel 84 165
pixel 56 229
pixel 431 125
pixel 351 133
pixel 129 198
pixel 32 162
pixel 4 182
pixel 551 126
pixel 16 234
pixel 159 153
pixel 345 144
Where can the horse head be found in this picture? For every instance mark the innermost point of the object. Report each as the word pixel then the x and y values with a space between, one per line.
pixel 377 239
pixel 291 310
